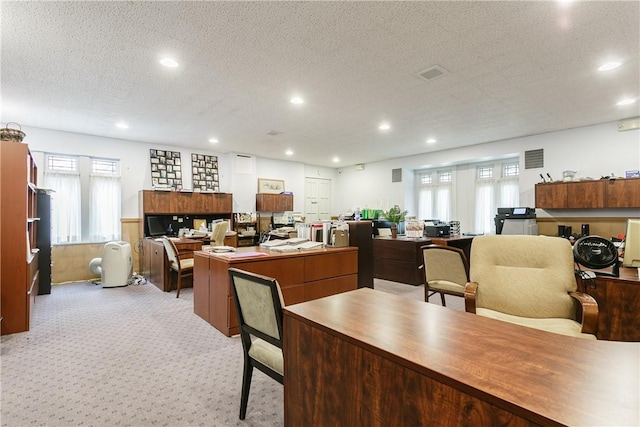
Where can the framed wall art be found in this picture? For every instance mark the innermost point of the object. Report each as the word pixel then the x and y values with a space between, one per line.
pixel 166 169
pixel 270 186
pixel 204 170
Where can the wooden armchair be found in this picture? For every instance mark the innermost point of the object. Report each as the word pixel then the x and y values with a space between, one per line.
pixel 530 281
pixel 181 264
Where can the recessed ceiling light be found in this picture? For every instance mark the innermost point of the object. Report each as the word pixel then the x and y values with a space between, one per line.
pixel 384 126
pixel 213 140
pixel 335 160
pixel 289 152
pixel 122 125
pixel 626 101
pixel 609 66
pixel 297 100
pixel 169 62
pixel 431 140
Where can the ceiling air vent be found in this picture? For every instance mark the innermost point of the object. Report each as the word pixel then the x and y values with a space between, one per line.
pixel 274 133
pixel 396 175
pixel 534 159
pixel 432 73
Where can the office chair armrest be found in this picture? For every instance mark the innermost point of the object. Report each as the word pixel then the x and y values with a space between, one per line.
pixel 589 313
pixel 470 297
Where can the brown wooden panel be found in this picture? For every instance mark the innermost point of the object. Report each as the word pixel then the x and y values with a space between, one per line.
pixel 181 202
pixel 221 203
pixel 288 271
pixel 398 271
pixel 585 195
pixel 618 305
pixel 326 287
pixel 201 285
pixel 623 193
pixel 156 202
pixel 327 264
pixel 274 202
pixel 293 294
pixel 551 196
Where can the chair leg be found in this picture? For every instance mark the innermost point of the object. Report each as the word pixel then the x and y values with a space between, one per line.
pixel 246 385
pixel 444 304
pixel 179 285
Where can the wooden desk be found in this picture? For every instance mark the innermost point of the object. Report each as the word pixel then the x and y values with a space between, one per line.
pixel 398 259
pixel 155 265
pixel 366 358
pixel 618 304
pixel 303 276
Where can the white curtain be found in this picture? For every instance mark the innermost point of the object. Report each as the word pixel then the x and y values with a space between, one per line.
pixel 104 208
pixel 65 213
pixel 443 203
pixel 485 207
pixel 509 192
pixel 425 203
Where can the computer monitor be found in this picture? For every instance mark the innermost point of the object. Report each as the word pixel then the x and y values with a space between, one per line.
pixel 155 226
pixel 631 256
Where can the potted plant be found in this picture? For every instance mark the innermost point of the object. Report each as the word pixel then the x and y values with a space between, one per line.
pixel 394 215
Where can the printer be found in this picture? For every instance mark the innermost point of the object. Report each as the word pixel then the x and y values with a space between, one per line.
pixel 516 221
pixel 436 228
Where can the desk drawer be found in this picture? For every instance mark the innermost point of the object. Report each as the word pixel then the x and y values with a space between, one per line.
pixel 328 265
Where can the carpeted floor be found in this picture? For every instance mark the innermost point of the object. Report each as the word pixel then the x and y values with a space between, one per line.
pixel 133 356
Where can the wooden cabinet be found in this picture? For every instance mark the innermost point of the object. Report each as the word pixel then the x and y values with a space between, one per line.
pixel 597 194
pixel 585 195
pixel 19 271
pixel 398 259
pixel 361 236
pixel 551 196
pixel 178 202
pixel 274 202
pixel 623 193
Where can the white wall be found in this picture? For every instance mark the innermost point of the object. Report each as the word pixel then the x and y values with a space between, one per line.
pixel 136 169
pixel 593 151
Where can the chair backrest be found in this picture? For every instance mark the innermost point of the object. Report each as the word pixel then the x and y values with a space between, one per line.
pixel 172 253
pixel 218 232
pixel 522 275
pixel 445 263
pixel 258 301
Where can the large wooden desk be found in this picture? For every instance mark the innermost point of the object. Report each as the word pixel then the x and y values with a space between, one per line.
pixel 366 358
pixel 398 259
pixel 618 304
pixel 303 276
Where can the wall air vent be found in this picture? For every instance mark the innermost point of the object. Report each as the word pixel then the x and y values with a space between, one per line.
pixel 360 167
pixel 432 73
pixel 396 175
pixel 629 124
pixel 534 159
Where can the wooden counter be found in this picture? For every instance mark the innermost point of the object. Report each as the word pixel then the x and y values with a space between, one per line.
pixel 366 358
pixel 303 276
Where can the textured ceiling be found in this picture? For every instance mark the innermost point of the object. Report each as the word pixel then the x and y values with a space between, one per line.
pixel 514 69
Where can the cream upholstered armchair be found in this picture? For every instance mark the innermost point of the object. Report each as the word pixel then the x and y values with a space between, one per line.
pixel 530 281
pixel 258 302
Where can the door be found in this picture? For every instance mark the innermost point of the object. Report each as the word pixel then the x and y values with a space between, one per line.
pixel 317 203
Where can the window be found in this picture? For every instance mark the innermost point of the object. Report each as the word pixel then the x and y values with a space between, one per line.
pixel 435 198
pixel 87 198
pixel 493 192
pixel 104 205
